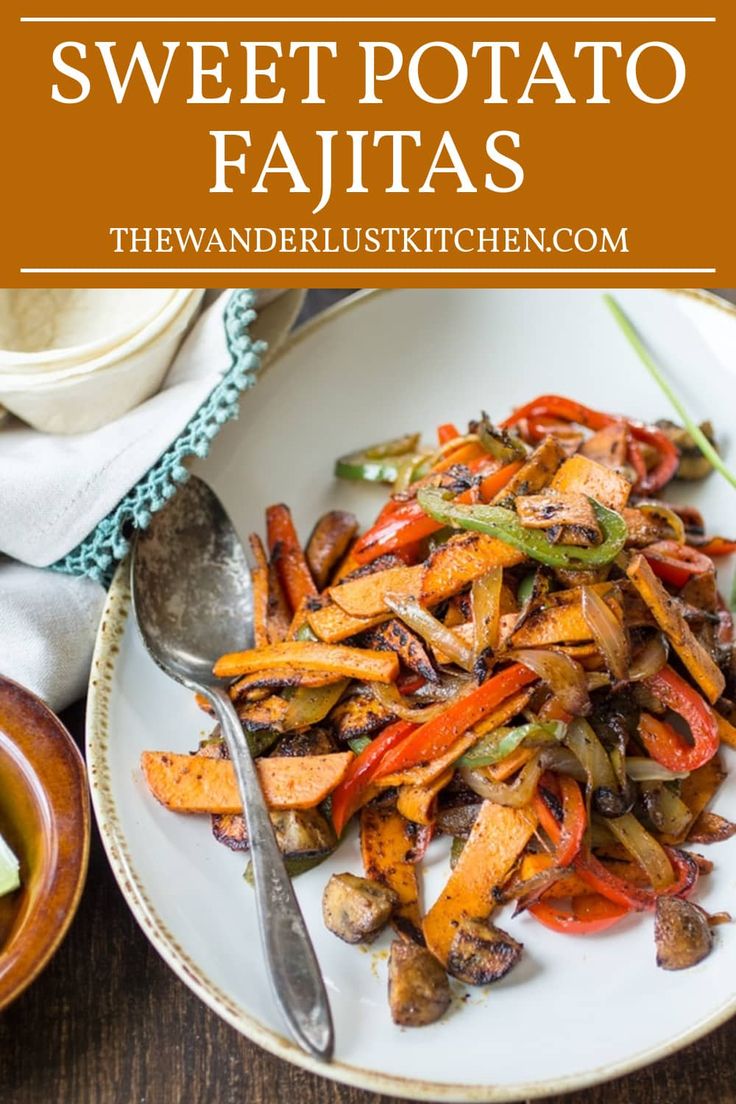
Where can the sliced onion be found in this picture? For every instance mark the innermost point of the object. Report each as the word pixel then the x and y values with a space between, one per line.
pixel 644 849
pixel 666 810
pixel 311 704
pixel 663 513
pixel 515 794
pixel 451 446
pixel 565 678
pixel 641 769
pixel 485 601
pixel 596 680
pixel 592 756
pixel 430 629
pixel 608 633
pixel 562 761
pixel 449 687
pixel 398 706
pixel 650 660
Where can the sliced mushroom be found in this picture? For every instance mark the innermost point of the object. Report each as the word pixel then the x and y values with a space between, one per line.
pixel 356 909
pixel 481 953
pixel 681 933
pixel 418 987
pixel 693 465
pixel 300 833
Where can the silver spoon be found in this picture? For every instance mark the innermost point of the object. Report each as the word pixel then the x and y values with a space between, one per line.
pixel 192 598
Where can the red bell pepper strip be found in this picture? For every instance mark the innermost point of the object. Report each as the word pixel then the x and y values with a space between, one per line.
pixel 675 563
pixel 662 741
pixel 574 821
pixel 667 464
pixel 586 915
pixel 718 546
pixel 432 739
pixel 602 881
pixel 447 432
pixel 346 798
pixel 556 406
pixel 288 557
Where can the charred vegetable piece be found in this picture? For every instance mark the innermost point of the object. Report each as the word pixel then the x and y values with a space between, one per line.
pixel 711 828
pixel 554 509
pixel 328 544
pixel 287 555
pixel 682 934
pixel 343 661
pixel 481 953
pixel 580 475
pixel 386 843
pixel 497 521
pixel 395 637
pixel 299 832
pixel 377 463
pixel 356 909
pixel 693 465
pixel 498 442
pixel 608 446
pixel 312 741
pixel 532 476
pixel 358 715
pixel 418 987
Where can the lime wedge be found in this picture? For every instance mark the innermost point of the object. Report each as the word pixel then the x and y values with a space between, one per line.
pixel 9 869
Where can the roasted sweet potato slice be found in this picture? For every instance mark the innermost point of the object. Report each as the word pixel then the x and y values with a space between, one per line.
pixel 328 544
pixel 498 837
pixel 670 619
pixel 287 555
pixel 339 660
pixel 281 676
pixel 608 446
pixel 358 715
pixel 550 509
pixel 193 784
pixel 583 476
pixel 386 839
pixel 394 636
pixel 365 596
pixel 418 803
pixel 333 625
pixel 711 828
pixel 461 560
pixel 259 581
pixel 535 474
pixel 560 619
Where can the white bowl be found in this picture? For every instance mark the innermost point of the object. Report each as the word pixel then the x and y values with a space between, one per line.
pixel 89 396
pixel 45 329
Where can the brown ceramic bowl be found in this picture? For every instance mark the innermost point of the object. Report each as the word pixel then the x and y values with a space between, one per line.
pixel 44 816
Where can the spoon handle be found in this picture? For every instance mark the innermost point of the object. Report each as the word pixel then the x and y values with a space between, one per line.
pixel 292 964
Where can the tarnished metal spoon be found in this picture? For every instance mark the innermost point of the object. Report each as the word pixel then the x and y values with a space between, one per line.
pixel 192 598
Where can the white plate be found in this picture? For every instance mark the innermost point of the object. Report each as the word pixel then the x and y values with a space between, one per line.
pixel 594 1008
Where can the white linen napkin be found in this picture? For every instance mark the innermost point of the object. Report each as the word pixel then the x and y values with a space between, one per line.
pixel 54 491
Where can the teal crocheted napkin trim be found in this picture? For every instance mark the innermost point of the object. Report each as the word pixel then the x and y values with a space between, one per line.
pixel 100 552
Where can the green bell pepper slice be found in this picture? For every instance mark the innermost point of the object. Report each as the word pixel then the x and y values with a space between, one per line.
pixel 379 463
pixel 498 521
pixel 496 745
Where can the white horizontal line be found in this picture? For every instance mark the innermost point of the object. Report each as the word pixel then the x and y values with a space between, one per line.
pixel 364 271
pixel 368 19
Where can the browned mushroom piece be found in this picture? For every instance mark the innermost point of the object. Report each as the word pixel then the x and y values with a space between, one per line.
pixel 418 987
pixel 481 953
pixel 681 932
pixel 693 465
pixel 356 909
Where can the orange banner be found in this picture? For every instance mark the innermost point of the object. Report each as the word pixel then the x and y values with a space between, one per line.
pixel 390 148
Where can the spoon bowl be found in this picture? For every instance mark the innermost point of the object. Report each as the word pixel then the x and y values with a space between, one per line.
pixel 193 603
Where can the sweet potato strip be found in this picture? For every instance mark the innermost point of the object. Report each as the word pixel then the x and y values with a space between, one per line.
pixel 365 596
pixel 693 654
pixel 332 624
pixel 460 561
pixel 395 637
pixel 259 580
pixel 194 784
pixel 339 660
pixel 287 555
pixel 385 841
pixel 425 774
pixel 535 474
pixel 268 713
pixel 579 475
pixel 328 543
pixel 281 676
pixel 417 803
pixel 560 620
pixel 496 840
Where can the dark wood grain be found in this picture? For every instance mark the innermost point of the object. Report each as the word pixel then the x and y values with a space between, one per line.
pixel 108 1023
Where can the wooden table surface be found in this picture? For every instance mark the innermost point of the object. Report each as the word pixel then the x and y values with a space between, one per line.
pixel 109 1023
